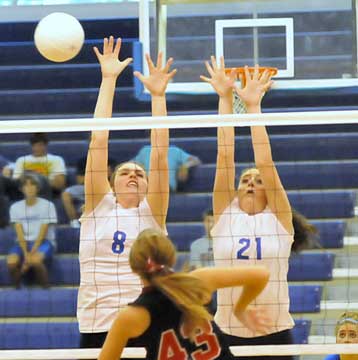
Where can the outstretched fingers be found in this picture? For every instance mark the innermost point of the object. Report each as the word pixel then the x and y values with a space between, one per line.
pixel 160 60
pixel 97 53
pixel 167 65
pixel 139 76
pixel 117 48
pixel 209 69
pixel 204 78
pixel 172 74
pixel 149 62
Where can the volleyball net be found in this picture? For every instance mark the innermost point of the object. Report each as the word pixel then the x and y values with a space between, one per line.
pixel 316 157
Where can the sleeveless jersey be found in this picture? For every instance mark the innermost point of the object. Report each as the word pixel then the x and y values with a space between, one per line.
pixel 164 339
pixel 240 239
pixel 107 281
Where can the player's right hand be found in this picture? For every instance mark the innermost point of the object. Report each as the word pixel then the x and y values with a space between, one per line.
pixel 255 319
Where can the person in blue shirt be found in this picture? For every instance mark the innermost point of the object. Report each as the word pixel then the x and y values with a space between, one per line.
pixel 346 333
pixel 201 250
pixel 180 163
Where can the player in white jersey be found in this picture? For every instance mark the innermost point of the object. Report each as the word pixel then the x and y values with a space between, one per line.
pixel 253 223
pixel 113 218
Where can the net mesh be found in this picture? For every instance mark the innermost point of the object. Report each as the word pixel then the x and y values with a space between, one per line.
pixel 317 166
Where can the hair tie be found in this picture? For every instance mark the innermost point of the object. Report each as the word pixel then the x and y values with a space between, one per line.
pixel 153 267
pixel 349 320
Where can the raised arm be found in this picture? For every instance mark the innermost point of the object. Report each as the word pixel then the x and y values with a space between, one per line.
pixel 276 195
pixel 158 177
pixel 252 278
pixel 96 177
pixel 224 186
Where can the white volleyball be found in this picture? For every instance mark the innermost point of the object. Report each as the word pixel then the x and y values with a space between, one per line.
pixel 59 37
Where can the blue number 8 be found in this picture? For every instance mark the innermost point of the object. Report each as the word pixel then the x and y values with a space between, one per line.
pixel 119 238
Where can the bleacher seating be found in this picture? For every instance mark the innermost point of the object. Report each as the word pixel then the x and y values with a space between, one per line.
pixel 39 335
pixel 322 147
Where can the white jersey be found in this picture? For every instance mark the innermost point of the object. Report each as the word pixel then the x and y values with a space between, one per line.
pixel 107 281
pixel 240 239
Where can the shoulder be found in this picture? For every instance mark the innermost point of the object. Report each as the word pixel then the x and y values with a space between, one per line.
pixel 55 157
pixel 42 201
pixel 198 242
pixel 17 205
pixel 136 319
pixel 22 158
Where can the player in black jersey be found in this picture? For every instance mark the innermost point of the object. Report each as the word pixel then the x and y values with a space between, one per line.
pixel 170 317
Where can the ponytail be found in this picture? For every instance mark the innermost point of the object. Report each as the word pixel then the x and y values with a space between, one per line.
pixel 152 257
pixel 306 234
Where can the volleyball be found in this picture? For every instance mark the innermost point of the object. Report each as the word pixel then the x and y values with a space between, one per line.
pixel 59 37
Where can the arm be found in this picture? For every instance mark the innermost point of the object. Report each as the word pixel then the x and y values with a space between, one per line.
pixel 58 182
pixel 224 186
pixel 21 237
pixel 96 179
pixel 158 177
pixel 276 195
pixel 131 322
pixel 40 238
pixel 19 168
pixel 189 162
pixel 68 205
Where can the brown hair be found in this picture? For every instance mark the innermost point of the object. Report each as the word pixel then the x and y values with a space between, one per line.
pixel 347 317
pixel 28 177
pixel 121 164
pixel 188 293
pixel 306 234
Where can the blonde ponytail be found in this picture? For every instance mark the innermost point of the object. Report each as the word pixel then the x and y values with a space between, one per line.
pixel 152 256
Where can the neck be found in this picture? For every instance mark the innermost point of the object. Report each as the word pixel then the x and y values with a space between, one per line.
pixel 128 201
pixel 31 201
pixel 251 207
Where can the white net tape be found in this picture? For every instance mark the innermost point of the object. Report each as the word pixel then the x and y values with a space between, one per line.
pixel 275 350
pixel 180 121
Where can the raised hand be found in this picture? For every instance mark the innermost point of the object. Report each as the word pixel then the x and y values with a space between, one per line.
pixel 255 88
pixel 159 76
pixel 223 84
pixel 111 66
pixel 255 319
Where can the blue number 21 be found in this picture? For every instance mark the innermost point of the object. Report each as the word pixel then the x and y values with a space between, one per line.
pixel 119 237
pixel 246 244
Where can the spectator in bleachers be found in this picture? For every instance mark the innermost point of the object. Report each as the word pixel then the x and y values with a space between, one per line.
pixel 114 216
pixel 346 333
pixel 253 223
pixel 201 250
pixel 181 164
pixel 32 218
pixel 50 168
pixel 73 197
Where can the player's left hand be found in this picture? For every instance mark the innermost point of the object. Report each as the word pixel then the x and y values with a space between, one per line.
pixel 159 76
pixel 255 319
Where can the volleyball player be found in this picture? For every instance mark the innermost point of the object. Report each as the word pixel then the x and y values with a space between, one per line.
pixel 113 217
pixel 253 223
pixel 169 316
pixel 346 333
